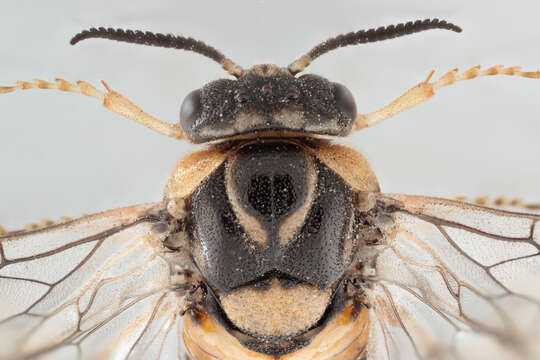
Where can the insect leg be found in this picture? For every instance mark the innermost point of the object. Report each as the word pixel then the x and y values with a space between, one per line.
pixel 111 99
pixel 426 89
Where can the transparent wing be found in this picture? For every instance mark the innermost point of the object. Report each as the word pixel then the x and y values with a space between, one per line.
pixel 90 288
pixel 454 281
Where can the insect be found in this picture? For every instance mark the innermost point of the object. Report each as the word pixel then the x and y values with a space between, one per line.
pixel 273 242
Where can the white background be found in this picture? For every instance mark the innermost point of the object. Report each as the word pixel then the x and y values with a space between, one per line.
pixel 62 154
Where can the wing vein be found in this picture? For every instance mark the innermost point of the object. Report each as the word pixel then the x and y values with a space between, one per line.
pixel 100 236
pixel 398 318
pixel 167 332
pixel 438 221
pixel 147 325
pixel 25 279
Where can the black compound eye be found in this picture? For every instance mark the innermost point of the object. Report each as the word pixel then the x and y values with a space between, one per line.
pixel 190 110
pixel 345 101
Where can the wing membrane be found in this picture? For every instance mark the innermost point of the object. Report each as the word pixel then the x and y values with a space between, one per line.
pixel 92 287
pixel 455 280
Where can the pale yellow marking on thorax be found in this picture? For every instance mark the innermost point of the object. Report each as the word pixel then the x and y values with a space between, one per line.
pixel 341 339
pixel 349 164
pixel 292 224
pixel 251 225
pixel 276 311
pixel 295 221
pixel 205 339
pixel 192 170
pixel 344 338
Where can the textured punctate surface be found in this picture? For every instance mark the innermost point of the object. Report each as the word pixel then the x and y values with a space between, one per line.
pixel 272 208
pixel 267 98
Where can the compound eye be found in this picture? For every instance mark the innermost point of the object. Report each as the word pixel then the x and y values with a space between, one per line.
pixel 345 101
pixel 190 110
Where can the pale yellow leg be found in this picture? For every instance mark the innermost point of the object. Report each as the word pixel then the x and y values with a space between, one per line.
pixel 426 89
pixel 111 100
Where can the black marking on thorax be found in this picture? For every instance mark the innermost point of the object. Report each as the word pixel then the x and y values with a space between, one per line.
pixel 268 184
pixel 239 214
